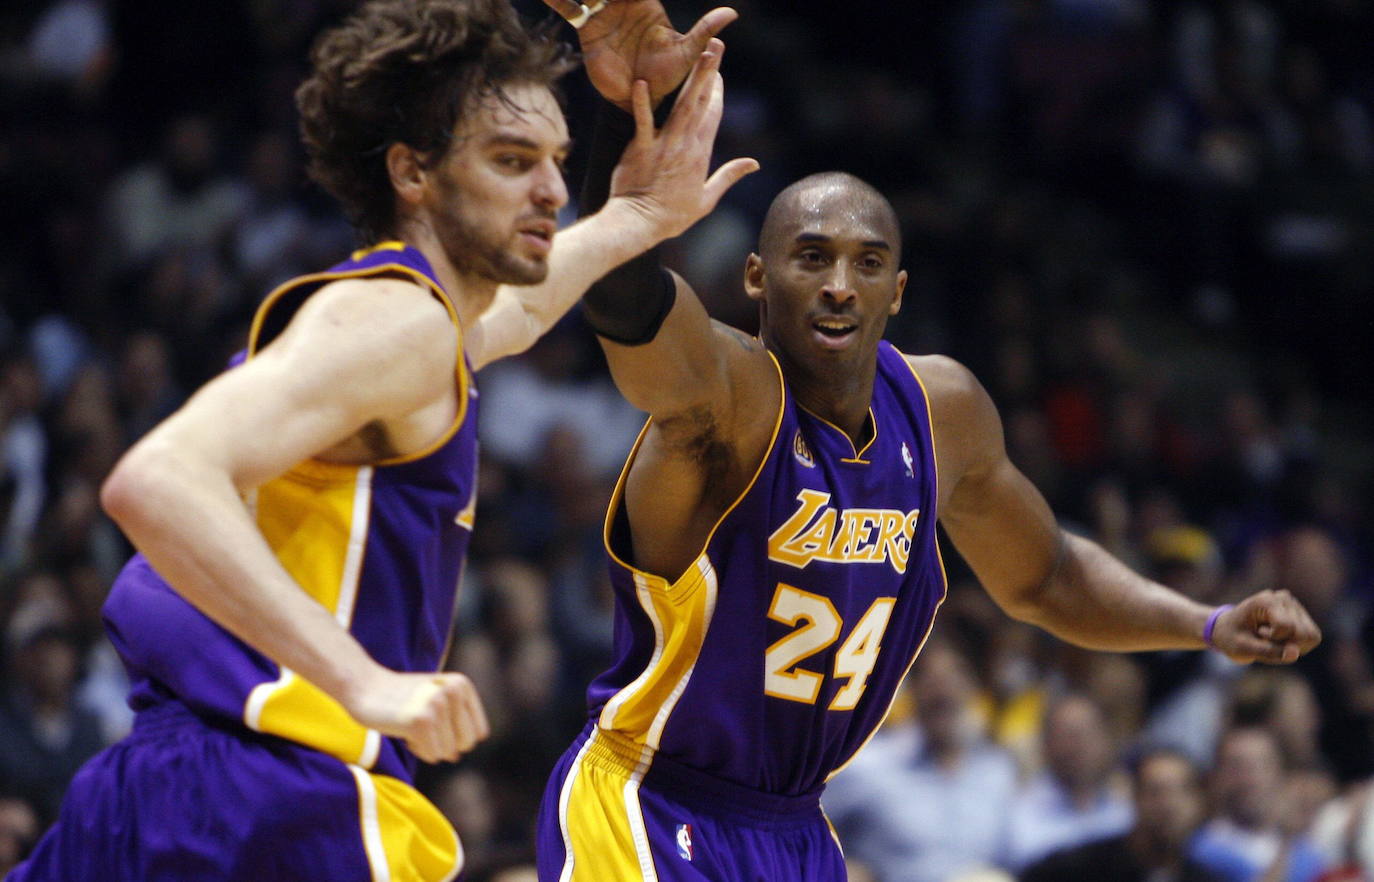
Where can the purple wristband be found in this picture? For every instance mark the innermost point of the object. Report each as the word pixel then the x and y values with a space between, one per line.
pixel 1212 623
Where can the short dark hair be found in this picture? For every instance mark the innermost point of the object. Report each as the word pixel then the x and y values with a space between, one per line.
pixel 406 71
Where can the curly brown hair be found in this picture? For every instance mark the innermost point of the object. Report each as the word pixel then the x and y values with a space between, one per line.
pixel 406 71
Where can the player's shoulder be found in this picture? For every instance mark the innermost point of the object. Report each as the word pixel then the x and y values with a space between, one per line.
pixel 963 417
pixel 946 381
pixel 382 293
pixel 382 307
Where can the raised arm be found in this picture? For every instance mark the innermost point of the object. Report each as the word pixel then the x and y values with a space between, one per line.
pixel 663 189
pixel 1064 583
pixel 358 353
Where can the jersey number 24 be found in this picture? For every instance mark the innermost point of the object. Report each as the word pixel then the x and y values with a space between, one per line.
pixel 817 626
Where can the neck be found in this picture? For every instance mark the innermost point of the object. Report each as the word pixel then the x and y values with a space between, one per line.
pixel 841 396
pixel 470 295
pixel 1154 854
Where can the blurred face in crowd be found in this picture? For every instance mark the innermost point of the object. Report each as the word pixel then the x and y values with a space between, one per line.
pixel 1168 801
pixel 18 830
pixel 943 687
pixel 1248 777
pixel 1313 567
pixel 49 666
pixel 1078 750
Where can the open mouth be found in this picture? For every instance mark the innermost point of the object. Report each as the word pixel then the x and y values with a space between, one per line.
pixel 539 238
pixel 834 331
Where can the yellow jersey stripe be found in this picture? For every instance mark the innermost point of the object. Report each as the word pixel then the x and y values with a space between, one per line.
pixel 318 530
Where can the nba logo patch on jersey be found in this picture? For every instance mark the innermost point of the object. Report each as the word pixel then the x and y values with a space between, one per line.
pixel 684 841
pixel 906 458
pixel 802 452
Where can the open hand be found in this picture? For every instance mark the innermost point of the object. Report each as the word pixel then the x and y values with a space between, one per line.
pixel 439 716
pixel 663 174
pixel 1270 626
pixel 629 40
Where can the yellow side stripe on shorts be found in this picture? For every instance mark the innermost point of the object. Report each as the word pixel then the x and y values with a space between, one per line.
pixel 603 826
pixel 405 836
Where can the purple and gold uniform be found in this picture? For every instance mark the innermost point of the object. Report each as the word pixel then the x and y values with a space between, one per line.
pixel 739 689
pixel 240 769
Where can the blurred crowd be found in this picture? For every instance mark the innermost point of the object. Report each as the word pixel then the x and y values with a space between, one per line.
pixel 1146 226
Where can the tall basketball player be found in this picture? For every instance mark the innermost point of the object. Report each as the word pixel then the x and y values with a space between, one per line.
pixel 302 521
pixel 772 538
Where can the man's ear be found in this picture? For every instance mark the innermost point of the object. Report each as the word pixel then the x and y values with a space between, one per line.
pixel 753 277
pixel 407 171
pixel 897 298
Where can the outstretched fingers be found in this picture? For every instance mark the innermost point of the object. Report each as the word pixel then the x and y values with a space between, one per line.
pixel 708 26
pixel 693 104
pixel 725 177
pixel 641 105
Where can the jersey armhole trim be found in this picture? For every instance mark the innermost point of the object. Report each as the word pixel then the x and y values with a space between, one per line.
pixel 461 373
pixel 692 573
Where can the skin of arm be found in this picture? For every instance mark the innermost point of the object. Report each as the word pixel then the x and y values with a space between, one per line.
pixel 359 352
pixel 703 383
pixel 659 189
pixel 1066 584
pixel 583 253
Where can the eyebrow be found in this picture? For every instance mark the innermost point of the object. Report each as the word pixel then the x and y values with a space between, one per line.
pixel 508 140
pixel 821 238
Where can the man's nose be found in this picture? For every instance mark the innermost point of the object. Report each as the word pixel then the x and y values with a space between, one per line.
pixel 550 189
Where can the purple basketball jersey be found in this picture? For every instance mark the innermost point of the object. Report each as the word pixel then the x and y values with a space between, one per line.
pixel 773 659
pixel 380 546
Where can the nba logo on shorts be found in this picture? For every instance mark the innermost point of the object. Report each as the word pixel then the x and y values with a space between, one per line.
pixel 684 841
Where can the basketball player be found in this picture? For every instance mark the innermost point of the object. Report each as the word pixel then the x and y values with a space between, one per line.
pixel 302 521
pixel 772 539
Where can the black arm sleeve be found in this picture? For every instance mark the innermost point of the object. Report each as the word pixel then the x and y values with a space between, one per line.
pixel 628 304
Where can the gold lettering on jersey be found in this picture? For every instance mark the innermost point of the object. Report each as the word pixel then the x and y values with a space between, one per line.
pixel 817 531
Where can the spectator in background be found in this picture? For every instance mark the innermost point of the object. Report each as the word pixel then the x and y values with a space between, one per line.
pixel 148 391
pixel 1283 703
pixel 18 831
pixel 915 805
pixel 1168 800
pixel 1074 800
pixel 1188 690
pixel 45 735
pixel 1245 841
pixel 181 199
pixel 1310 563
pixel 23 457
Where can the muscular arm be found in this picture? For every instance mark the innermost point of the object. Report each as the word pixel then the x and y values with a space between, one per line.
pixel 583 253
pixel 1064 583
pixel 357 353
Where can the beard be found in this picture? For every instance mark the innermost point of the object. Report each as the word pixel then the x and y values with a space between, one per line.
pixel 485 253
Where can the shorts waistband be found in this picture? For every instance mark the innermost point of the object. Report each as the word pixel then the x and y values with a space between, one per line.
pixel 163 715
pixel 694 788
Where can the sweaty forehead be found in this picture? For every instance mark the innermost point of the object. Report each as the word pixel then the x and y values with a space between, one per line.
pixel 836 210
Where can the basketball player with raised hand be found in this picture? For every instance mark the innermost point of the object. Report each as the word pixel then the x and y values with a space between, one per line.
pixel 772 537
pixel 302 521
